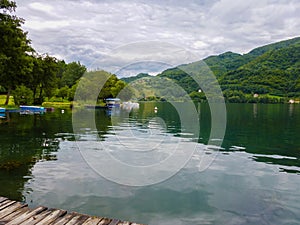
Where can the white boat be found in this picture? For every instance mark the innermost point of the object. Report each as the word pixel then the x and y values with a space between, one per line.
pixel 128 106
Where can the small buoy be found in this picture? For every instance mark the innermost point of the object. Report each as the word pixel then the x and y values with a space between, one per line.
pixel 62 111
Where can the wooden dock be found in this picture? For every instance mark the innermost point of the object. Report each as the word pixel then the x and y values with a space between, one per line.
pixel 16 213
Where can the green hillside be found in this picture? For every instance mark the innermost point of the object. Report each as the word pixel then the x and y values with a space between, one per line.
pixel 276 72
pixel 131 79
pixel 225 62
pixel 271 73
pixel 274 46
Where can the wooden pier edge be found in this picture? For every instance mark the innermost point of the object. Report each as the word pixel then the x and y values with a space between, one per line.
pixel 16 213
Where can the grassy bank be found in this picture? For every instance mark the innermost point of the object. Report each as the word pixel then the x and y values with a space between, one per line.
pixel 57 104
pixel 11 103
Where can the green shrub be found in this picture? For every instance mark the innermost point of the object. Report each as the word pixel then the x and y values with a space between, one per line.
pixel 23 95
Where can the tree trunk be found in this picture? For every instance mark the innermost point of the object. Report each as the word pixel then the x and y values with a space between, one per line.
pixel 41 96
pixel 7 96
pixel 34 93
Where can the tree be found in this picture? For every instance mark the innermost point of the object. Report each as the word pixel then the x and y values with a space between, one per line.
pixel 117 87
pixel 23 95
pixel 72 73
pixel 197 96
pixel 126 93
pixel 43 78
pixel 48 78
pixel 14 50
pixel 63 92
pixel 35 75
pixel 97 86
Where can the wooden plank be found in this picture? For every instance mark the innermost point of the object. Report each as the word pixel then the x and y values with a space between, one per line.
pixel 105 221
pixel 37 218
pixel 6 203
pixel 45 217
pixel 15 214
pixel 124 223
pixel 57 213
pixel 64 219
pixel 92 221
pixel 114 222
pixel 11 209
pixel 78 219
pixel 2 199
pixel 26 215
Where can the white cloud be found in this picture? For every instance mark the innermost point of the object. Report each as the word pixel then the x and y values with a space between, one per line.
pixel 41 7
pixel 42 25
pixel 200 45
pixel 88 30
pixel 141 55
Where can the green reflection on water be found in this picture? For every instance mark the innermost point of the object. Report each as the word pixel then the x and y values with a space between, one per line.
pixel 24 140
pixel 267 134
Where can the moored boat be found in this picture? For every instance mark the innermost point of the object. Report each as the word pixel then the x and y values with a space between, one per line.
pixel 2 110
pixel 128 106
pixel 26 109
pixel 112 103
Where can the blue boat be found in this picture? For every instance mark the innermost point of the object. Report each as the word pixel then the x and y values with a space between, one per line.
pixel 2 110
pixel 2 116
pixel 112 103
pixel 26 109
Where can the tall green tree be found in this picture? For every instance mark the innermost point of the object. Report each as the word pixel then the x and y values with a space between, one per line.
pixel 46 79
pixel 73 71
pixel 15 50
pixel 97 85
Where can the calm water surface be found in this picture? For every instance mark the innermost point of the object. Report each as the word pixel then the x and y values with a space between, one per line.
pixel 253 179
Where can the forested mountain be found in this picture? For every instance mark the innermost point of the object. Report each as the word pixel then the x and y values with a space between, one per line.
pixel 274 46
pixel 276 72
pixel 131 79
pixel 225 62
pixel 271 72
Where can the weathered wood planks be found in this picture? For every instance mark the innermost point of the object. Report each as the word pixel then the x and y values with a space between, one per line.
pixel 16 213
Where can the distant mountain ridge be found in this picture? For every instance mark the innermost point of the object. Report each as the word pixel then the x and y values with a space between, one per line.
pixel 133 78
pixel 271 71
pixel 274 46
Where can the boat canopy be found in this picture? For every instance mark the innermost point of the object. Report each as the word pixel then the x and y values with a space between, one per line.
pixel 113 99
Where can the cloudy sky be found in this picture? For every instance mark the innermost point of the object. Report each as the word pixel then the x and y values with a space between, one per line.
pixel 99 33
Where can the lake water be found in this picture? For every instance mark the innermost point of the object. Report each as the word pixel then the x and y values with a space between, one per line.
pixel 254 178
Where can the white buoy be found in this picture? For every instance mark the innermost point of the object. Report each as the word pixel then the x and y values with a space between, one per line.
pixel 62 111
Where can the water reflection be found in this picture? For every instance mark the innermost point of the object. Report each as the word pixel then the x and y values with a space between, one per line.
pixel 4 117
pixel 25 140
pixel 272 131
pixel 252 179
pixel 291 110
pixel 254 110
pixel 148 142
